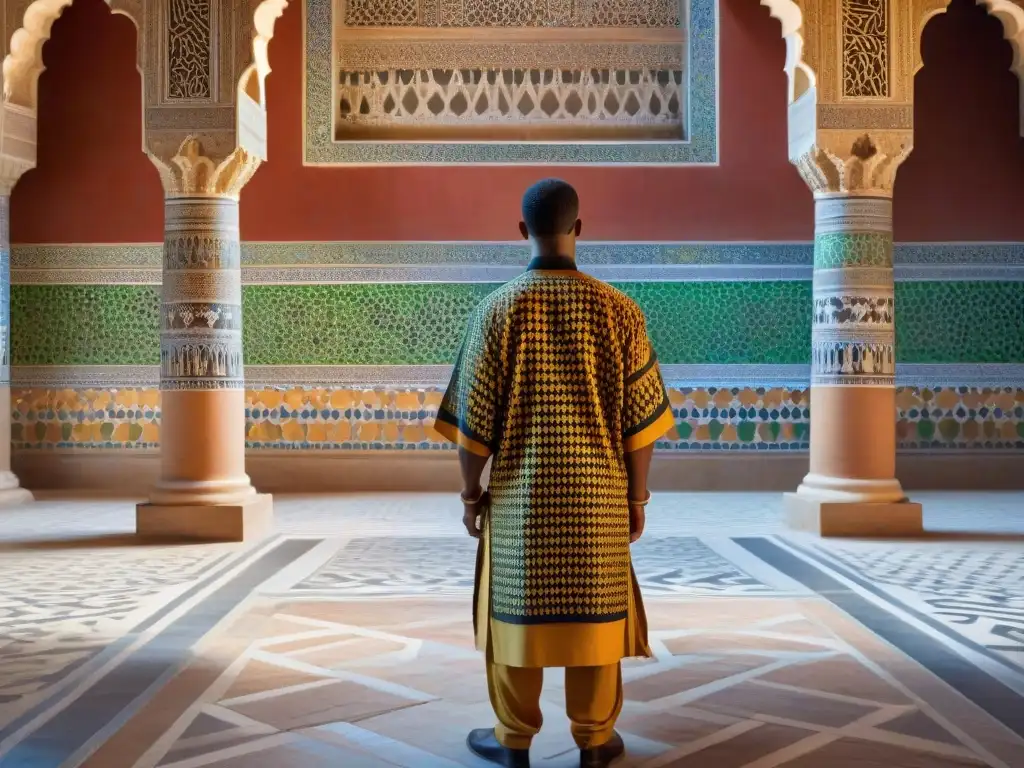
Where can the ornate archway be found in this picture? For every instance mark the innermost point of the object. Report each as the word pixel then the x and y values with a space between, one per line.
pixel 204 69
pixel 23 63
pixel 1009 12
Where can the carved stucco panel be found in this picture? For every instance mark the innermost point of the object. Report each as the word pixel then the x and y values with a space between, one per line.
pixel 515 70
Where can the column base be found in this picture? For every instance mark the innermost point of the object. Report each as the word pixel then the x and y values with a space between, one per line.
pixel 13 497
pixel 890 519
pixel 250 520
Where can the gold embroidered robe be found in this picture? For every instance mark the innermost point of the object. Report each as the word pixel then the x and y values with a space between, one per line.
pixel 556 380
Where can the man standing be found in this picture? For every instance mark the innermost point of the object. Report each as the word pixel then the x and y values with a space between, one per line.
pixel 557 382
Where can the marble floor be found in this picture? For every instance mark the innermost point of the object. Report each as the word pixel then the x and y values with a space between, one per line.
pixel 345 640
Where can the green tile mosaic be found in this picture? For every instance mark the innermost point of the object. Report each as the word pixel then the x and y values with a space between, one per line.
pixel 356 324
pixel 960 322
pixel 749 322
pixel 762 322
pixel 85 324
pixel 842 249
pixel 408 324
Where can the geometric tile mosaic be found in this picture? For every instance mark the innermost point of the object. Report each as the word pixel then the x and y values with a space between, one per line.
pixel 691 322
pixel 61 609
pixel 85 325
pixel 400 418
pixel 963 417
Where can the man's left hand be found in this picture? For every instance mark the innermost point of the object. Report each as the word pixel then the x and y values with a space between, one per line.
pixel 471 516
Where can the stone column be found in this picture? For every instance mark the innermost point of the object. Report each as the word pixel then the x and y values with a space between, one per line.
pixel 11 492
pixel 203 491
pixel 205 118
pixel 852 488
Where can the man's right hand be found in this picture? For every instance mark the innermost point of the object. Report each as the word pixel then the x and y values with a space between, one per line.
pixel 637 518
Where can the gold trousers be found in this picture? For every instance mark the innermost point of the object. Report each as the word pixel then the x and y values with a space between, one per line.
pixel 593 701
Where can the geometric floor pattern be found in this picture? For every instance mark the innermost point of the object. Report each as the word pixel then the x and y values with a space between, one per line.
pixel 398 684
pixel 345 640
pixel 436 565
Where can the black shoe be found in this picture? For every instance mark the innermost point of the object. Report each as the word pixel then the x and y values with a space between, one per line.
pixel 604 755
pixel 483 743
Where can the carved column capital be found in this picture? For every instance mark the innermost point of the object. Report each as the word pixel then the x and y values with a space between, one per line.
pixel 205 119
pixel 194 171
pixel 853 162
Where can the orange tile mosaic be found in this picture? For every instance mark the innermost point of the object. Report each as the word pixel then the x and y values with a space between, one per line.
pixel 297 418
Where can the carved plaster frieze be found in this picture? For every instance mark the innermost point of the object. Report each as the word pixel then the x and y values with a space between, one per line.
pixel 198 168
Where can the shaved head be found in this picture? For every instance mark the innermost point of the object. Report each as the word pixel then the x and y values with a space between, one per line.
pixel 550 208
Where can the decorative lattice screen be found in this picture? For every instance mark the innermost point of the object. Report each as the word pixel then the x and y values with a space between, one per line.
pixel 505 70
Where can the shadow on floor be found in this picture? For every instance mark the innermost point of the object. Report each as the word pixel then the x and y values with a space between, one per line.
pixel 100 541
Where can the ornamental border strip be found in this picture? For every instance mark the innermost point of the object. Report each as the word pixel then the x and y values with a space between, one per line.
pixel 501 253
pixel 408 262
pixel 320 148
pixel 1009 375
pixel 483 275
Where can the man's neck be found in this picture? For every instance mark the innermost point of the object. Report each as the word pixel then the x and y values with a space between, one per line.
pixel 560 249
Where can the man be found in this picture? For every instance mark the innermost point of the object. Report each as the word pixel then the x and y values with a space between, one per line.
pixel 558 384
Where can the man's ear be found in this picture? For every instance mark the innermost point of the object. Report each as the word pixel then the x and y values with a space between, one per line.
pixel 579 227
pixel 523 230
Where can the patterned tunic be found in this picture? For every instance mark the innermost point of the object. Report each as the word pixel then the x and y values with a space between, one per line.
pixel 557 380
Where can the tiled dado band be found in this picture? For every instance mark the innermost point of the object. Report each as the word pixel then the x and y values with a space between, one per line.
pixel 201 303
pixel 397 416
pixel 723 322
pixel 742 312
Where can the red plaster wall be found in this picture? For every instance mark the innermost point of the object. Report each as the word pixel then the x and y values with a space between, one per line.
pixel 93 184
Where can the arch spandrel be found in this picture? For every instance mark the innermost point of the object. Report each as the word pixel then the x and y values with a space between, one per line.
pixel 223 107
